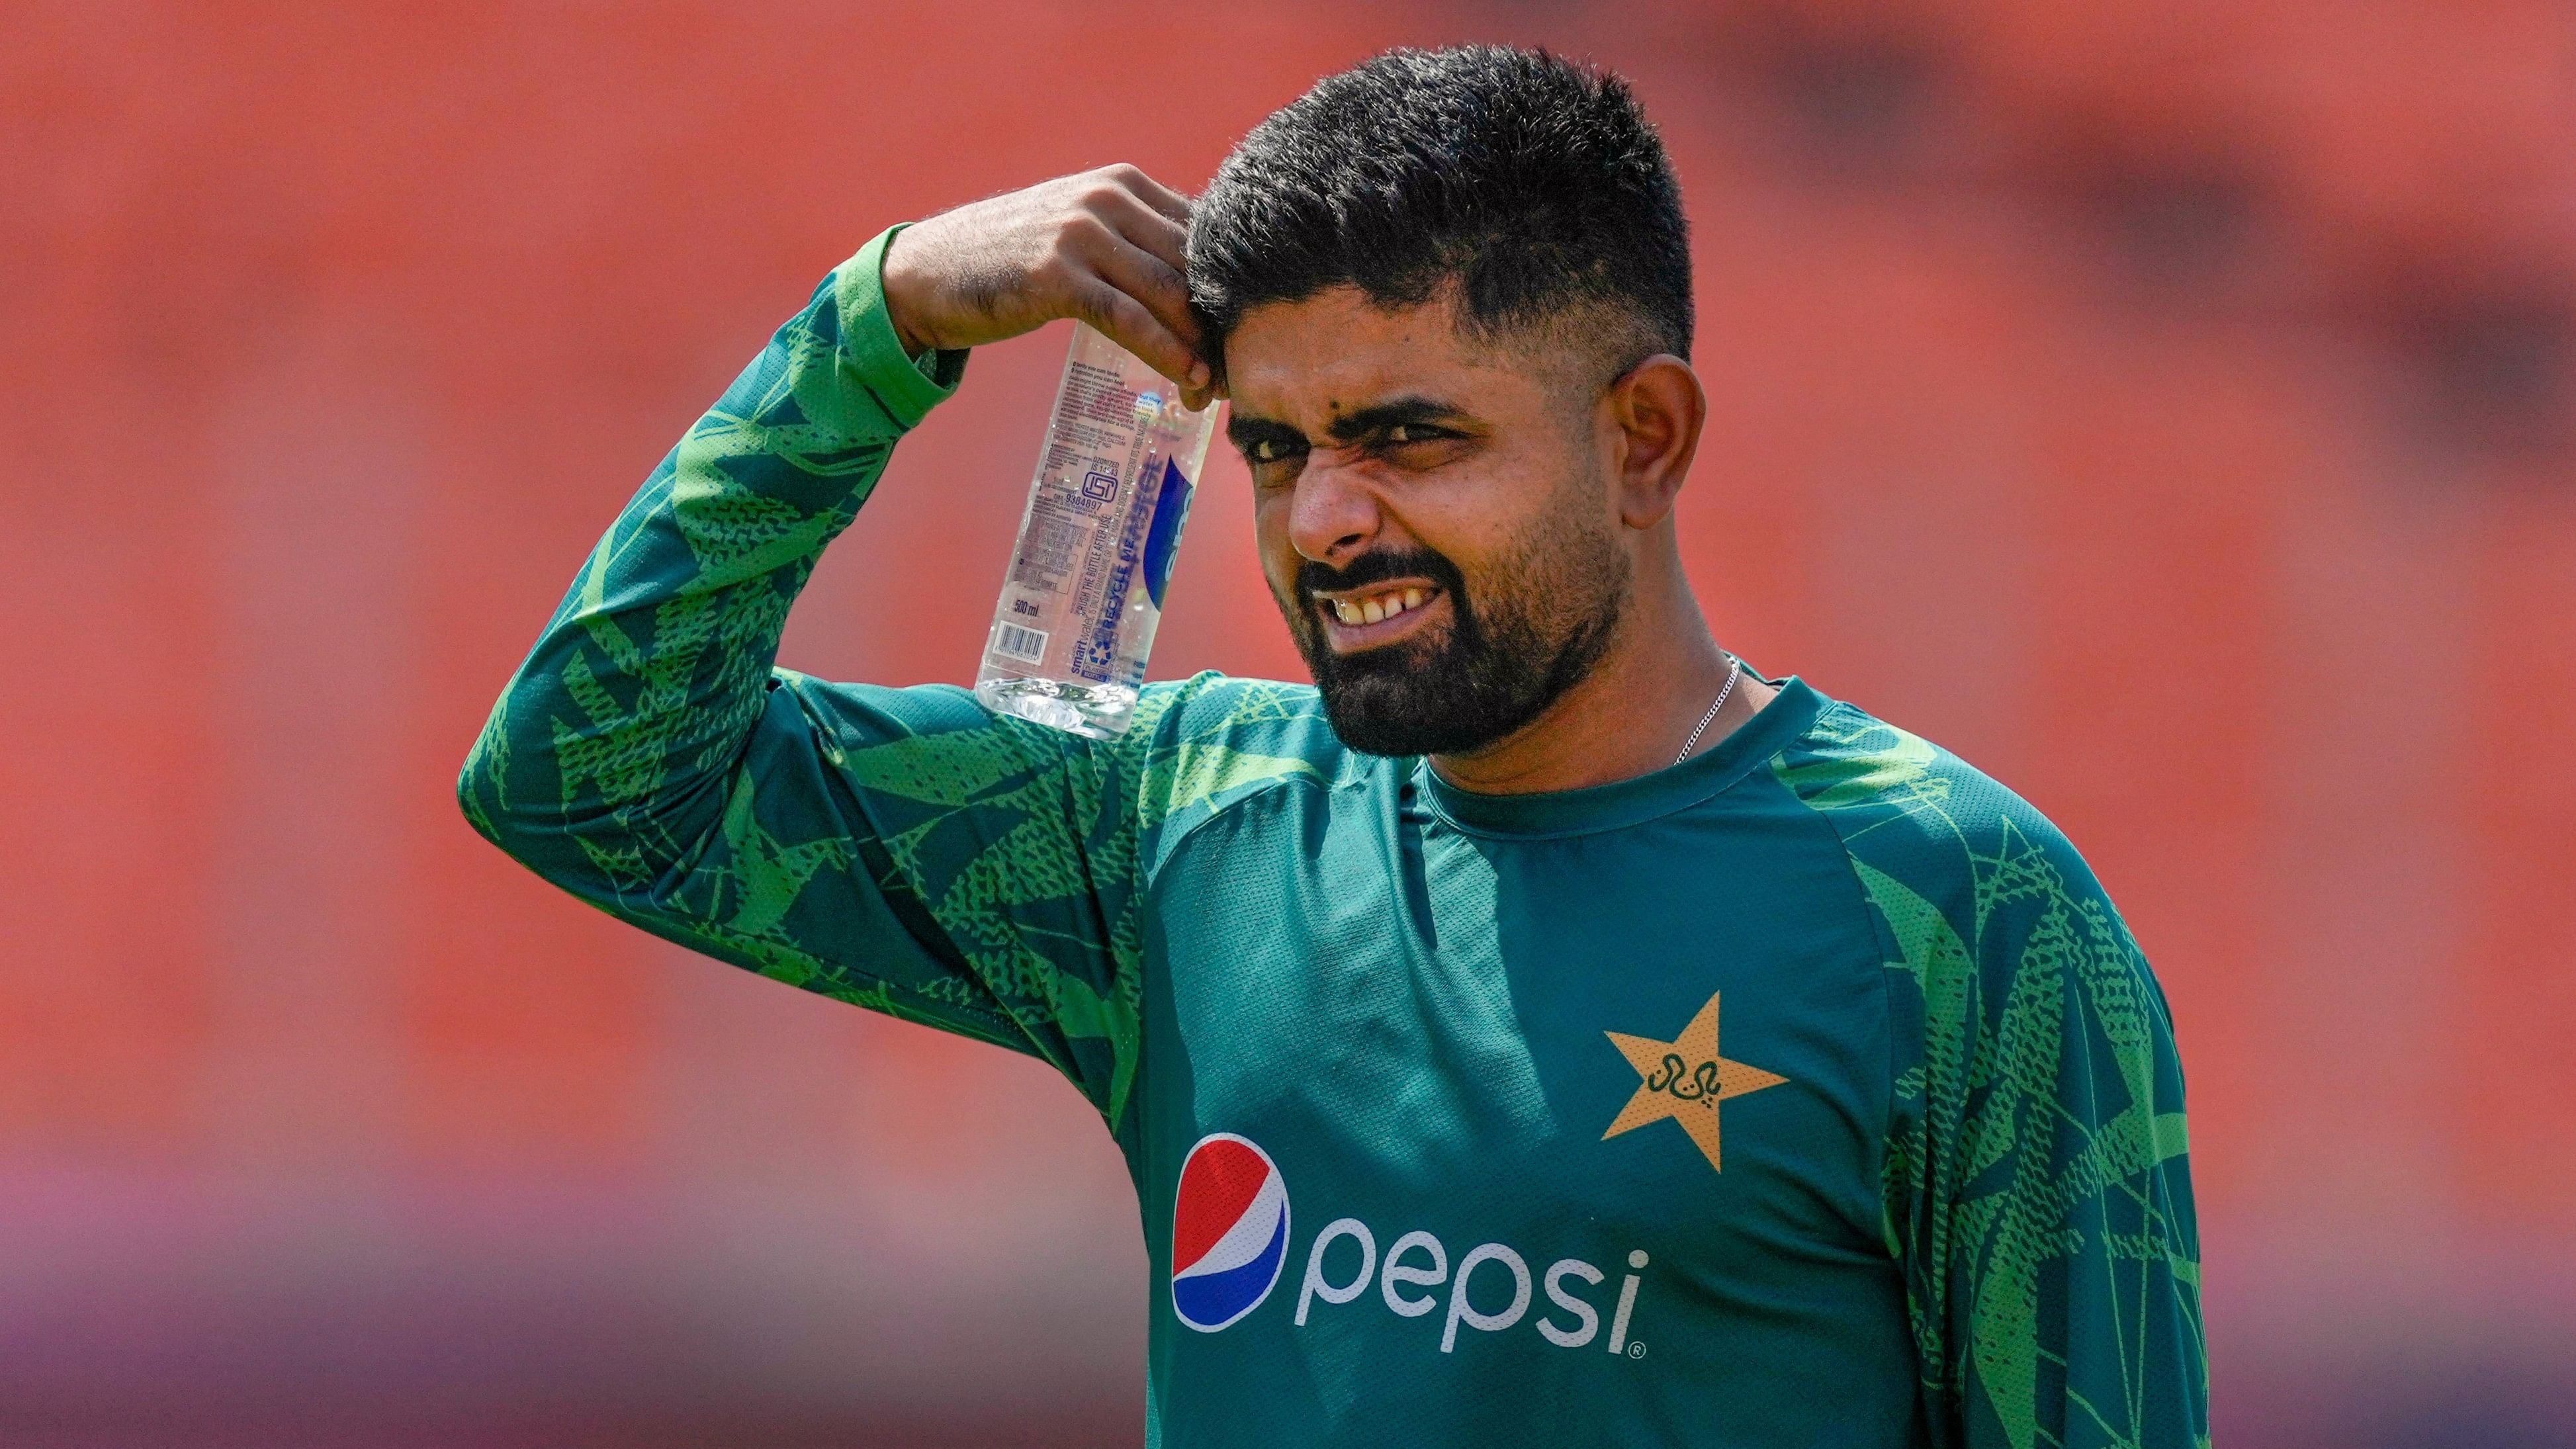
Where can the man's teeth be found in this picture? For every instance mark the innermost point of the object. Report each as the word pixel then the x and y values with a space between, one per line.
pixel 1378 608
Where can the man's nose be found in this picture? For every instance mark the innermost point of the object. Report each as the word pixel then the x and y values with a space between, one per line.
pixel 1333 512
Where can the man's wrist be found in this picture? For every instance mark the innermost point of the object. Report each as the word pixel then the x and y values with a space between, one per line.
pixel 890 285
pixel 907 376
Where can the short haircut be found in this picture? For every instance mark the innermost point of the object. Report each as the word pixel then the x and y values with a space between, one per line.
pixel 1530 187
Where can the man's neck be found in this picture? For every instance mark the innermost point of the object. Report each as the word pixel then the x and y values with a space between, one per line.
pixel 1628 717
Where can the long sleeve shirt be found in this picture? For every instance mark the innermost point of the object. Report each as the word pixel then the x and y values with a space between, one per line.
pixel 1808 1092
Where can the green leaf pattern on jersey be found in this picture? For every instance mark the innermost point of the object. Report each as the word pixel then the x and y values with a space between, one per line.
pixel 904 850
pixel 2036 1171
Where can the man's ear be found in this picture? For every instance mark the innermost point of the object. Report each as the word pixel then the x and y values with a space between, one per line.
pixel 1658 409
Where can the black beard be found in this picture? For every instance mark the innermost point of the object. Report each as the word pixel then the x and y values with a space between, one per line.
pixel 1488 673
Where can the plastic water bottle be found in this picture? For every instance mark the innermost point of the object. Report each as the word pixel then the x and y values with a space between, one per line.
pixel 1085 588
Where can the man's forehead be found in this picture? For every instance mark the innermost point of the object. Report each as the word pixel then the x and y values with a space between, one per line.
pixel 1337 352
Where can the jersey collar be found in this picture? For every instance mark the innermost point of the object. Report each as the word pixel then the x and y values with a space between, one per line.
pixel 1640 798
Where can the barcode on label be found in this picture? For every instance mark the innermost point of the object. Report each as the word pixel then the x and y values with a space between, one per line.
pixel 1019 643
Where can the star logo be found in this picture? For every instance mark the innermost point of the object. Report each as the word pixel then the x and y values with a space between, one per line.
pixel 1685 1079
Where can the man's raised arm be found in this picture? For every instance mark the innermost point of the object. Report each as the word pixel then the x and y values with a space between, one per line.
pixel 900 848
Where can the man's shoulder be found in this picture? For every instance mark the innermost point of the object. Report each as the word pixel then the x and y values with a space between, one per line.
pixel 1852 764
pixel 1921 824
pixel 1201 745
pixel 1209 707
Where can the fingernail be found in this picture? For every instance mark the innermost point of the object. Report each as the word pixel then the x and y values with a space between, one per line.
pixel 1198 374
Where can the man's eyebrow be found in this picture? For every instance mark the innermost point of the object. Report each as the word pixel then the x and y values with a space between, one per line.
pixel 1243 432
pixel 1394 412
pixel 1358 423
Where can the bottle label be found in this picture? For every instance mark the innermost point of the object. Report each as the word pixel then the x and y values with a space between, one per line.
pixel 1083 596
pixel 1096 658
pixel 1171 510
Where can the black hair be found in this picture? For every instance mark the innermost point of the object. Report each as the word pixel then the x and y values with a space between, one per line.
pixel 1531 184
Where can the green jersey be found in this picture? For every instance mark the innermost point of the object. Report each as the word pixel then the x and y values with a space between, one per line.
pixel 1808 1092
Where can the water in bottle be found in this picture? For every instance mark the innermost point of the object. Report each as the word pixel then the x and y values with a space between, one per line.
pixel 1085 588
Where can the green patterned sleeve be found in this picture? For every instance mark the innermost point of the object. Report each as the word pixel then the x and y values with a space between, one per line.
pixel 903 849
pixel 2037 1177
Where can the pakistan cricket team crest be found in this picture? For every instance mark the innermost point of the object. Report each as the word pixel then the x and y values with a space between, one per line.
pixel 1685 1079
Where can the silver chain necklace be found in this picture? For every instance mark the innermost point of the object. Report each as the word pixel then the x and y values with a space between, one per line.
pixel 1734 667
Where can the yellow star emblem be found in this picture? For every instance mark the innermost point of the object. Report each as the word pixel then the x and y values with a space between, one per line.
pixel 1685 1079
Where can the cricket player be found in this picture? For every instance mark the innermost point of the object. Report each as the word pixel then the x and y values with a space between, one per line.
pixel 1543 1029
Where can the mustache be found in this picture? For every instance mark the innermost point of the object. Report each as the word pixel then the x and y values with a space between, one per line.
pixel 1380 566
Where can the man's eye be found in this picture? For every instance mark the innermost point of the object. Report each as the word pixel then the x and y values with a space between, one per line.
pixel 1411 433
pixel 1268 450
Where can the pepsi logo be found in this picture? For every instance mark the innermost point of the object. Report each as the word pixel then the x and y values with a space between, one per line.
pixel 1229 1231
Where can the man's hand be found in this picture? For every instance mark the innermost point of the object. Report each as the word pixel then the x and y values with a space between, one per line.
pixel 1103 246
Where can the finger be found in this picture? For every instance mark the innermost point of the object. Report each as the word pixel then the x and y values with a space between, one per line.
pixel 1150 280
pixel 1157 276
pixel 1153 193
pixel 1156 233
pixel 1131 325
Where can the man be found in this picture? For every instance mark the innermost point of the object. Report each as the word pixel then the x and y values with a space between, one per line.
pixel 1542 1031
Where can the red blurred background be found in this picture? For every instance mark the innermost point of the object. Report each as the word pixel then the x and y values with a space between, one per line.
pixel 2171 407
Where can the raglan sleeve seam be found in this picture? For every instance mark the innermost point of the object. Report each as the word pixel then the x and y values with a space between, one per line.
pixel 1150 866
pixel 1894 1211
pixel 1888 951
pixel 1157 840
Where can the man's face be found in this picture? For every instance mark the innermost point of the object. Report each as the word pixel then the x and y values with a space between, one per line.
pixel 1433 516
